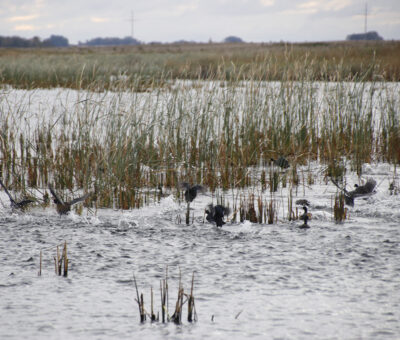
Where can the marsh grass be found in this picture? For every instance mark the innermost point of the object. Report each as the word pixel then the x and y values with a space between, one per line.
pixel 60 261
pixel 126 146
pixel 141 68
pixel 182 299
pixel 339 209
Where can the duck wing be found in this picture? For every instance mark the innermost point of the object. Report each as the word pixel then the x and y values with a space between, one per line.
pixel 339 187
pixel 55 196
pixel 227 211
pixel 348 197
pixel 303 202
pixel 23 203
pixel 8 194
pixel 79 199
pixel 364 190
pixel 199 188
pixel 184 185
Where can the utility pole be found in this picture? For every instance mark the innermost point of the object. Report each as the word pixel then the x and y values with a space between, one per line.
pixel 132 22
pixel 366 14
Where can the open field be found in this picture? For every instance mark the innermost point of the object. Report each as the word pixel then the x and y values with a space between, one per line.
pixel 147 66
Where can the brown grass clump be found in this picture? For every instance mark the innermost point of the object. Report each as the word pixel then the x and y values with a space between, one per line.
pixel 182 299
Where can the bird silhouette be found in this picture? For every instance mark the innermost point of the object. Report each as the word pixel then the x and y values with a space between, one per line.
pixel 360 190
pixel 191 191
pixel 305 217
pixel 14 204
pixel 282 162
pixel 215 214
pixel 303 202
pixel 65 207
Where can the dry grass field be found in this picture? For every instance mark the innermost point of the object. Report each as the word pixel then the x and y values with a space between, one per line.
pixel 150 65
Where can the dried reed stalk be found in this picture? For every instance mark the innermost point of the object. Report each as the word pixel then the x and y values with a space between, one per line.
pixel 40 264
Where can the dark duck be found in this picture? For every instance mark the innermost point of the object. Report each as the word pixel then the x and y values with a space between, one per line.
pixel 360 191
pixel 305 217
pixel 282 162
pixel 65 207
pixel 20 205
pixel 215 214
pixel 191 191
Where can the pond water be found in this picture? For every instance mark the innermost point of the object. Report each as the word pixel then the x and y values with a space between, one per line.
pixel 336 281
pixel 331 281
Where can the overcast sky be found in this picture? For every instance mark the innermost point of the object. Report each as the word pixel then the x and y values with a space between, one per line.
pixel 199 20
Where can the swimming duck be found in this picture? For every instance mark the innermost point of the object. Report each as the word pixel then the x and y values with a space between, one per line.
pixel 191 191
pixel 281 162
pixel 14 204
pixel 65 207
pixel 360 190
pixel 305 217
pixel 215 214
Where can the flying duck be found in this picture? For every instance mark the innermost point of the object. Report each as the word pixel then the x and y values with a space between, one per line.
pixel 14 204
pixel 215 214
pixel 65 207
pixel 360 190
pixel 191 191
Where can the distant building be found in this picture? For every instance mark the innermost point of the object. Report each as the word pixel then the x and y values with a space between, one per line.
pixel 364 36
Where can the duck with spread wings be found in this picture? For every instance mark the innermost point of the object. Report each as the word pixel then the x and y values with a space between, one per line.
pixel 364 190
pixel 65 207
pixel 21 205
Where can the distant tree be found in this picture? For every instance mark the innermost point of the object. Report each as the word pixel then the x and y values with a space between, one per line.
pixel 110 42
pixel 232 39
pixel 36 42
pixel 364 36
pixel 182 42
pixel 56 41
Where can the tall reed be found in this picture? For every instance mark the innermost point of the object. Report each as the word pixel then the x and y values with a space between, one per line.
pixel 125 145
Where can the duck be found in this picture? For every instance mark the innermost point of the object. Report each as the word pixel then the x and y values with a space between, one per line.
pixel 282 162
pixel 62 207
pixel 305 217
pixel 21 205
pixel 360 190
pixel 215 214
pixel 191 191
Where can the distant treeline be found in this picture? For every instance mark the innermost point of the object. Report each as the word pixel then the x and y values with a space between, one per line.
pixel 364 36
pixel 53 41
pixel 110 42
pixel 60 41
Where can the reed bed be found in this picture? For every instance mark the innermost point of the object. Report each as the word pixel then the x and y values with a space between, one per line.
pixel 128 147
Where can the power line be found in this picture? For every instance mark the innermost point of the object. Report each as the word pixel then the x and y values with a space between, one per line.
pixel 132 21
